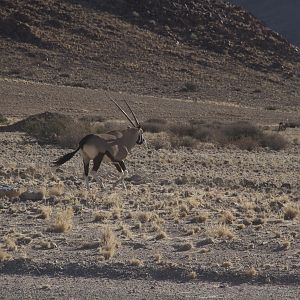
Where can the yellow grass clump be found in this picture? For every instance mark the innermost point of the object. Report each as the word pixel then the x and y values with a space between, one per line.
pixel 57 189
pixel 45 212
pixel 101 216
pixel 136 262
pixel 200 217
pixel 4 255
pixel 109 243
pixel 252 272
pixel 161 235
pixel 227 217
pixel 10 244
pixel 291 212
pixel 64 221
pixel 221 231
pixel 191 275
pixel 144 217
pixel 113 201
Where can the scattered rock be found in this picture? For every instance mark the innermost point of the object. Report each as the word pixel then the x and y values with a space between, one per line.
pixel 247 183
pixel 135 179
pixel 32 195
pixel 165 182
pixel 9 190
pixel 218 181
pixel 181 180
pixel 286 186
pixel 204 242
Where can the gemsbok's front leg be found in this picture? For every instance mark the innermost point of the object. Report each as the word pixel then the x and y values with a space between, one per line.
pixel 97 162
pixel 122 169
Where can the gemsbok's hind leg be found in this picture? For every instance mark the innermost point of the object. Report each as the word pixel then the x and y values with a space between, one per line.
pixel 97 162
pixel 86 166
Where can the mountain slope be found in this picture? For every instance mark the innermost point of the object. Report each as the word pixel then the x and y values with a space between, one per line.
pixel 281 16
pixel 205 49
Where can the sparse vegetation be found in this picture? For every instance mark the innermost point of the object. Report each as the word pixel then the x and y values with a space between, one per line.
pixel 101 216
pixel 3 119
pixel 109 243
pixel 291 212
pixel 243 135
pixel 45 212
pixel 136 262
pixel 221 231
pixel 4 255
pixel 63 221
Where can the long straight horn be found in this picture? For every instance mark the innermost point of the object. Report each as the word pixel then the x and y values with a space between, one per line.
pixel 120 108
pixel 135 118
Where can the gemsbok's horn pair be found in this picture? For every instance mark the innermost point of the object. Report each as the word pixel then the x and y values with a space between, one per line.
pixel 116 145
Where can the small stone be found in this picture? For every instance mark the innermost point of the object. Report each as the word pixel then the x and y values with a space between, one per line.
pixel 9 190
pixel 32 195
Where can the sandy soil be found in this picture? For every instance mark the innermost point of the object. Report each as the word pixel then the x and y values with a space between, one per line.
pixel 189 215
pixel 44 287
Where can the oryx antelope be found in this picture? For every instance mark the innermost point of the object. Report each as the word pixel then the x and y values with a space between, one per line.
pixel 115 145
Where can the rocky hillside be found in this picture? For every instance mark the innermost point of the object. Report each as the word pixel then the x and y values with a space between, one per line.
pixel 150 46
pixel 281 16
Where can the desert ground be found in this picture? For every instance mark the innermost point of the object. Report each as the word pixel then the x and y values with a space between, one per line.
pixel 194 223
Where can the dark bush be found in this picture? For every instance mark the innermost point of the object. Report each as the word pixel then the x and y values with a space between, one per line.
pixel 155 125
pixel 189 87
pixel 247 143
pixel 239 130
pixel 244 135
pixel 274 141
pixel 54 128
pixel 3 119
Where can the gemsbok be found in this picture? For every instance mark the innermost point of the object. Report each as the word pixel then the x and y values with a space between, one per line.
pixel 115 145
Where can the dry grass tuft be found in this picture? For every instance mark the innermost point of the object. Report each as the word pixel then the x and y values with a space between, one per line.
pixel 47 245
pixel 227 264
pixel 200 217
pixel 252 272
pixel 291 212
pixel 113 201
pixel 127 233
pixel 101 216
pixel 136 262
pixel 45 212
pixel 109 243
pixel 157 258
pixel 226 217
pixel 191 275
pixel 4 255
pixel 161 235
pixel 10 244
pixel 204 250
pixel 64 221
pixel 144 217
pixel 57 189
pixel 116 213
pixel 221 231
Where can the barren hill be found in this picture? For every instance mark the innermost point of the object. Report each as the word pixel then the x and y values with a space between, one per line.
pixel 201 49
pixel 281 16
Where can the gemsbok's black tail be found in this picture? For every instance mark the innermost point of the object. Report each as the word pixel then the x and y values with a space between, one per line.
pixel 64 158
